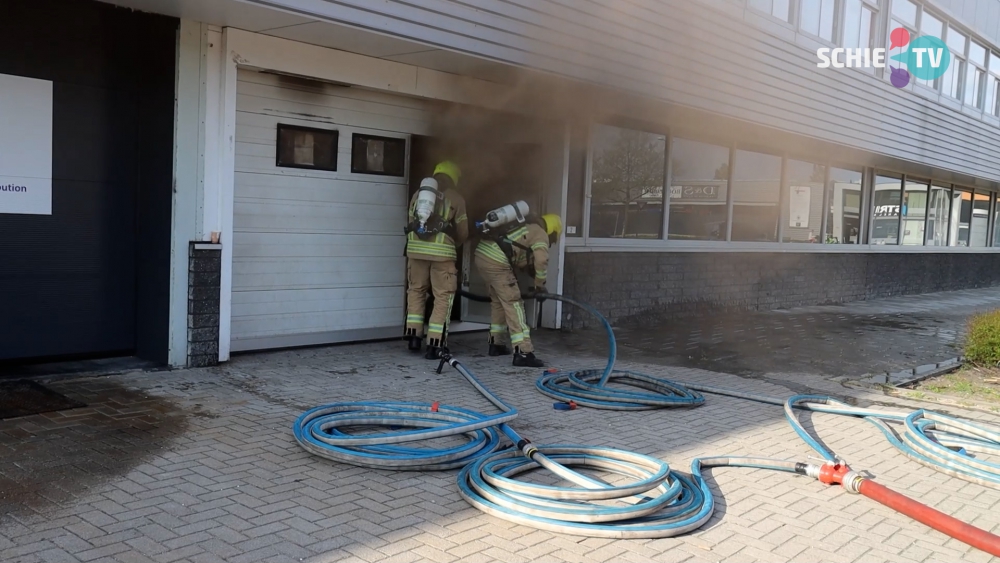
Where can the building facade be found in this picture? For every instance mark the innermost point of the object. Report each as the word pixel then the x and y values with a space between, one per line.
pixel 702 156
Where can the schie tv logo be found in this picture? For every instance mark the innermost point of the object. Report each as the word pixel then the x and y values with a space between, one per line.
pixel 926 58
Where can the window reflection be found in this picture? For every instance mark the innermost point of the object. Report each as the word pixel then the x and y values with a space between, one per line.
pixel 914 211
pixel 961 218
pixel 980 220
pixel 996 222
pixel 804 202
pixel 756 191
pixel 627 183
pixel 886 202
pixel 844 221
pixel 937 216
pixel 698 190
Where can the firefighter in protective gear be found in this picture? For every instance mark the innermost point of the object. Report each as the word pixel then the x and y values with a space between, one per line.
pixel 431 250
pixel 525 247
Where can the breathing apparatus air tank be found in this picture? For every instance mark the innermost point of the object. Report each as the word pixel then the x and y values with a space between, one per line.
pixel 515 212
pixel 427 198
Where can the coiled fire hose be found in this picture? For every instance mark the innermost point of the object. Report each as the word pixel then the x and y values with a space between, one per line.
pixel 656 501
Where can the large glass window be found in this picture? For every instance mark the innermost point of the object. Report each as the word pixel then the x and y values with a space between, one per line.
pixel 993 85
pixel 804 202
pixel 777 8
pixel 816 17
pixel 627 183
pixel 955 75
pixel 996 221
pixel 930 25
pixel 980 220
pixel 961 218
pixel 905 11
pixel 843 225
pixel 886 203
pixel 859 18
pixel 975 76
pixel 914 211
pixel 756 191
pixel 698 190
pixel 937 216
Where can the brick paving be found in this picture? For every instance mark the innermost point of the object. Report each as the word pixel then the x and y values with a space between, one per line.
pixel 200 465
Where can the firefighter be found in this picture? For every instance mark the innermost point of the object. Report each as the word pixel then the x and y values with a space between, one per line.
pixel 525 247
pixel 438 227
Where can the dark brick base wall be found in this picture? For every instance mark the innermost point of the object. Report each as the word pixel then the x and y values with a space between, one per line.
pixel 637 286
pixel 204 277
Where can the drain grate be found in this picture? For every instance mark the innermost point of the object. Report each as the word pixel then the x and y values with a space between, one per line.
pixel 23 397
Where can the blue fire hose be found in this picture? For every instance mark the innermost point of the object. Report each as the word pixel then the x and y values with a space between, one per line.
pixel 654 500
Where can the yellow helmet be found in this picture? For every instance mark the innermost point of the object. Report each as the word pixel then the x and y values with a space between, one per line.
pixel 449 169
pixel 553 226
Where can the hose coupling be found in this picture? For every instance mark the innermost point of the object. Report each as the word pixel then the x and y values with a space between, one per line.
pixel 852 482
pixel 832 473
pixel 527 448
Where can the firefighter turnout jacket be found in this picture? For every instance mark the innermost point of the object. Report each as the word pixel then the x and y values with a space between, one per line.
pixel 528 247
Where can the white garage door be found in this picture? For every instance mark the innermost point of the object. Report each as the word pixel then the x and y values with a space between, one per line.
pixel 317 255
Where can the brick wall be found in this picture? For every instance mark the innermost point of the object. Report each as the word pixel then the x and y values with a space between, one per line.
pixel 636 286
pixel 204 277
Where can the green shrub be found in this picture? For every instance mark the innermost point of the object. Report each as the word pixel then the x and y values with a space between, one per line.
pixel 982 344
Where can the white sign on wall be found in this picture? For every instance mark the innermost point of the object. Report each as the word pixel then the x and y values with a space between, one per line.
pixel 798 206
pixel 25 145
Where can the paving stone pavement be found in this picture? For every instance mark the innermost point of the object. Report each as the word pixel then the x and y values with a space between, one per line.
pixel 200 465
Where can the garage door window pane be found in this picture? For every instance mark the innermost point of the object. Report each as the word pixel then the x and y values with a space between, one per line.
pixel 885 209
pixel 384 156
pixel 844 223
pixel 304 147
pixel 698 190
pixel 804 203
pixel 627 183
pixel 980 220
pixel 938 213
pixel 756 191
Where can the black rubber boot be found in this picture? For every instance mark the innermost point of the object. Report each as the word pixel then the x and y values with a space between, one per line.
pixel 415 343
pixel 499 350
pixel 527 360
pixel 432 353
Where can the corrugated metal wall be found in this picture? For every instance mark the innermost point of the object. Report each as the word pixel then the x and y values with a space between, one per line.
pixel 699 53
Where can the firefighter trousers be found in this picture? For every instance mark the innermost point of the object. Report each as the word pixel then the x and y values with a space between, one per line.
pixel 423 277
pixel 506 306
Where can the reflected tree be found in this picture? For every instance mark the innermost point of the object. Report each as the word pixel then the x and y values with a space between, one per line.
pixel 629 168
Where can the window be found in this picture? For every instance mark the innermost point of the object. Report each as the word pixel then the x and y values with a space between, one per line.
pixel 858 18
pixel 843 225
pixel 305 147
pixel 914 211
pixel 698 190
pixel 938 213
pixel 804 202
pixel 980 220
pixel 756 192
pixel 996 221
pixel 816 17
pixel 951 82
pixel 885 209
pixel 384 156
pixel 961 218
pixel 905 11
pixel 930 25
pixel 992 89
pixel 777 8
pixel 975 77
pixel 627 183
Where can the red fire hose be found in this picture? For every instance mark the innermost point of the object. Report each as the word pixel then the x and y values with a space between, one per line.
pixel 852 482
